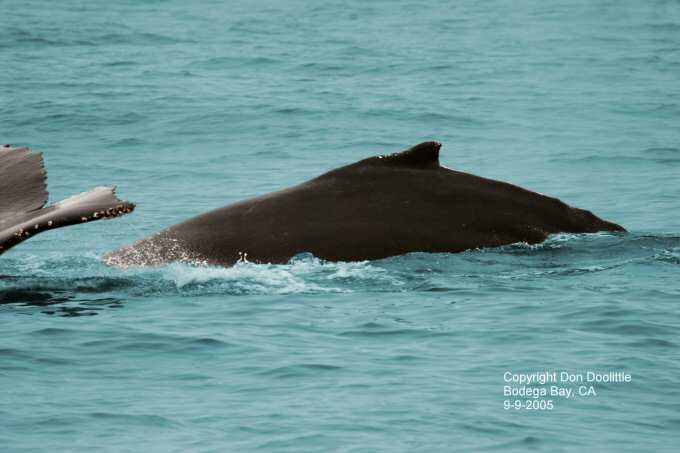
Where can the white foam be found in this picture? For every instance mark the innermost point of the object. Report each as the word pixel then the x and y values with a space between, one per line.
pixel 301 275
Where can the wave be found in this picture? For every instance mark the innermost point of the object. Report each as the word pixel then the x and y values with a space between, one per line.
pixel 84 284
pixel 19 37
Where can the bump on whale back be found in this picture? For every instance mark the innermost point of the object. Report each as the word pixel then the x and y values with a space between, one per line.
pixel 423 155
pixel 420 157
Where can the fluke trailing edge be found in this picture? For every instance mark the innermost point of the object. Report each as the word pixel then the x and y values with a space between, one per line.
pixel 375 208
pixel 23 196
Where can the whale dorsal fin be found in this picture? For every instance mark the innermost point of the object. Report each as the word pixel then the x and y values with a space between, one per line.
pixel 424 155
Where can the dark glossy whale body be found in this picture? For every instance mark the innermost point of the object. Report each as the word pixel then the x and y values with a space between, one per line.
pixel 375 208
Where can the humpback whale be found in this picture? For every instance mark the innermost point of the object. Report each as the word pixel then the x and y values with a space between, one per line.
pixel 23 199
pixel 375 208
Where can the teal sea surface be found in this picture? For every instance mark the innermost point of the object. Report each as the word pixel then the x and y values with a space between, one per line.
pixel 188 106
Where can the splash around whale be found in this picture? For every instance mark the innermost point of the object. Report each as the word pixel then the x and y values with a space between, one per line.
pixel 375 208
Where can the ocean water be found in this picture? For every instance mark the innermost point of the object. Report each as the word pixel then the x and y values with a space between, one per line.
pixel 187 106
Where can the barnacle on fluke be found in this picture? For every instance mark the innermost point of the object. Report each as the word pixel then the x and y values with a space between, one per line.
pixel 23 200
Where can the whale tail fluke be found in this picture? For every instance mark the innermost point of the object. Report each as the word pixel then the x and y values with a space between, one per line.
pixel 23 200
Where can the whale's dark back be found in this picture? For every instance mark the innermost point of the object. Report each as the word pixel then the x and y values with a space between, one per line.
pixel 375 208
